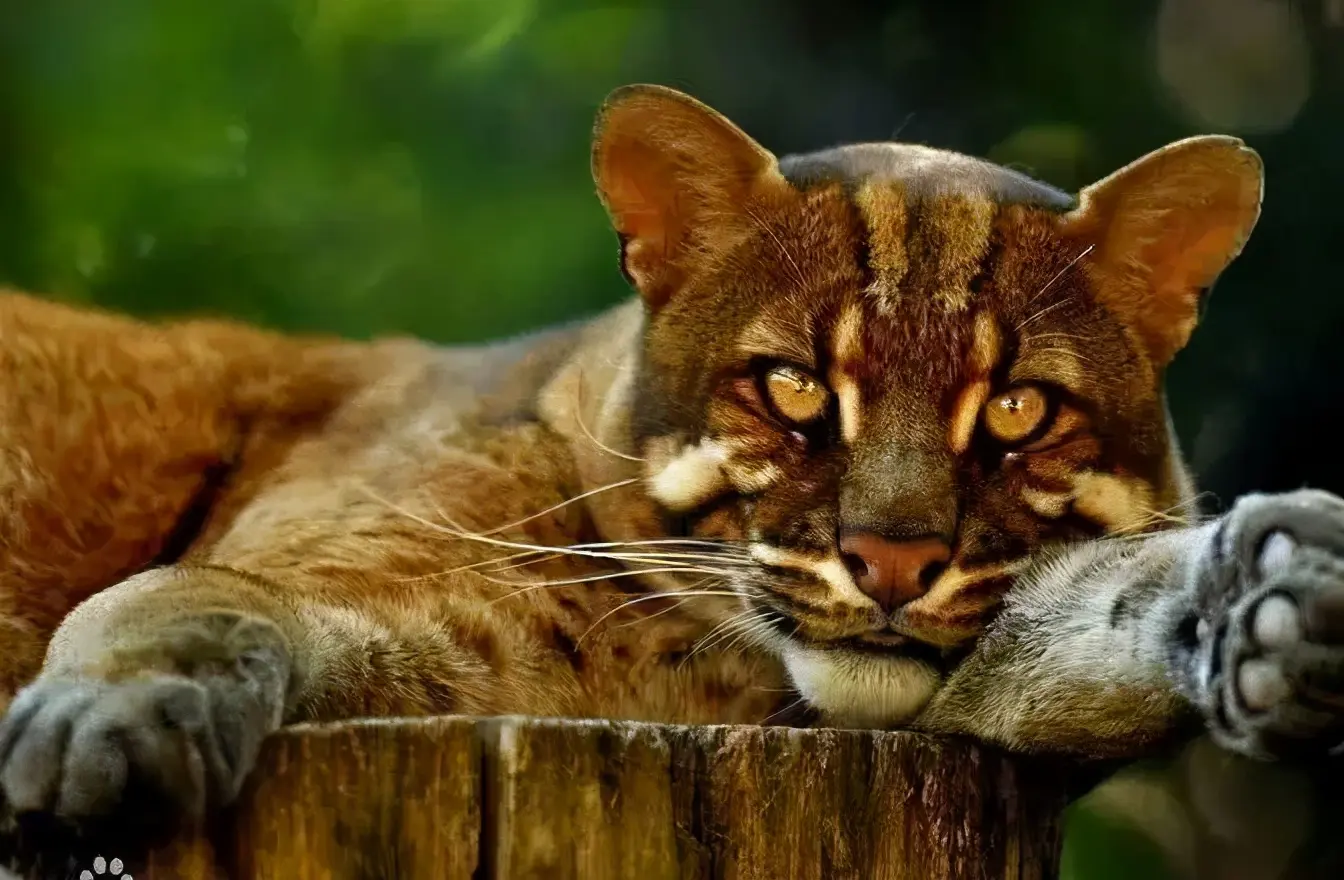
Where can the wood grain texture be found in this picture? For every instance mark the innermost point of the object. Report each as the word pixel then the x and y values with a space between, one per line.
pixel 467 799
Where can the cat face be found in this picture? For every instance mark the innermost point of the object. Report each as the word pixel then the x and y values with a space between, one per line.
pixel 893 373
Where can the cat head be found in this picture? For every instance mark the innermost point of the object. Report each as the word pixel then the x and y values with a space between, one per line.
pixel 892 373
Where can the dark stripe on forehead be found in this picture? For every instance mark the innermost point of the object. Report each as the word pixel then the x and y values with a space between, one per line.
pixel 863 250
pixel 885 214
pixel 989 258
pixel 947 245
pixel 930 247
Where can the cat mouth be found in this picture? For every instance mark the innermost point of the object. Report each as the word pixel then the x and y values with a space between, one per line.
pixel 878 641
pixel 885 643
pixel 870 640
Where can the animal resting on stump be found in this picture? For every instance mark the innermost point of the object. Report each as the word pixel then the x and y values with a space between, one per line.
pixel 881 442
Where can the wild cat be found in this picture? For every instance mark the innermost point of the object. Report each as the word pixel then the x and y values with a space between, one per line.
pixel 883 430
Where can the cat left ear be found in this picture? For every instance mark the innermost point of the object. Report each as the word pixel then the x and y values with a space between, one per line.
pixel 1163 228
pixel 675 177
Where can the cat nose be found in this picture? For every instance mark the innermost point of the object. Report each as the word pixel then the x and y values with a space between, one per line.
pixel 894 572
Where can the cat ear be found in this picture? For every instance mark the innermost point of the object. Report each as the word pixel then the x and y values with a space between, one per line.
pixel 1162 229
pixel 674 176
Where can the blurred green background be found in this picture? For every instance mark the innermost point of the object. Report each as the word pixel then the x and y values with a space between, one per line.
pixel 421 166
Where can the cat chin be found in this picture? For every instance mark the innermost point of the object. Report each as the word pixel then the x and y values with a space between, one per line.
pixel 860 690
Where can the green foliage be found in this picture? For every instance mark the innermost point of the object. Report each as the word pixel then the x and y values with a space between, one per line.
pixel 358 166
pixel 1099 847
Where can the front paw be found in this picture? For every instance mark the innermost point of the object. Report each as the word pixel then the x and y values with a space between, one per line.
pixel 157 749
pixel 1266 666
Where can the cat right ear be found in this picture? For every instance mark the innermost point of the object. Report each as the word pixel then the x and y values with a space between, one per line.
pixel 675 177
pixel 1162 228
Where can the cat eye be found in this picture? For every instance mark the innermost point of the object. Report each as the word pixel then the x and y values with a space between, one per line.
pixel 795 395
pixel 1018 414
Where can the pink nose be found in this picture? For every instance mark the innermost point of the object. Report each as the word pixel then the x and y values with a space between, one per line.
pixel 894 572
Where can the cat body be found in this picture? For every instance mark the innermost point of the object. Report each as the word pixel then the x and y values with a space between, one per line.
pixel 350 488
pixel 854 451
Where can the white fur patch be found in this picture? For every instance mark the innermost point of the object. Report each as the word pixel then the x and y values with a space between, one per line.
pixel 1051 505
pixel 748 478
pixel 691 478
pixel 860 690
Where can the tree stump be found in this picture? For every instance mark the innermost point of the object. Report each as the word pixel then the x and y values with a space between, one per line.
pixel 459 798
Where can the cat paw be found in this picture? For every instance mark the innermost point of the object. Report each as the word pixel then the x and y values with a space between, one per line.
pixel 1267 661
pixel 154 750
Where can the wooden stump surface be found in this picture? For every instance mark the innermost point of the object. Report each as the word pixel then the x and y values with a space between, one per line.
pixel 467 799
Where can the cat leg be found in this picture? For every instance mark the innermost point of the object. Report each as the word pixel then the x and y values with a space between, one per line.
pixel 155 696
pixel 1076 660
pixel 156 693
pixel 1114 646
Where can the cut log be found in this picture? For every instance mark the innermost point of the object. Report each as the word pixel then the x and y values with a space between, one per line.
pixel 465 799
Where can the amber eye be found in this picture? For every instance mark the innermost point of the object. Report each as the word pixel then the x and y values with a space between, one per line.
pixel 1017 414
pixel 795 395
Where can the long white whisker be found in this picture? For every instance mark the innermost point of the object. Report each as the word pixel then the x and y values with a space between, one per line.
pixel 1066 351
pixel 1058 275
pixel 751 635
pixel 456 531
pixel 728 628
pixel 681 595
pixel 484 563
pixel 788 708
pixel 563 504
pixel 578 417
pixel 672 607
pixel 1042 313
pixel 797 270
pixel 600 576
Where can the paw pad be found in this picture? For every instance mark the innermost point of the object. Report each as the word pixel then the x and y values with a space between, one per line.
pixel 1277 624
pixel 1262 684
pixel 1276 552
pixel 103 868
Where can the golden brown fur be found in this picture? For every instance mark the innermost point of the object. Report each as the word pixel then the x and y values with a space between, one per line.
pixel 345 465
pixel 239 529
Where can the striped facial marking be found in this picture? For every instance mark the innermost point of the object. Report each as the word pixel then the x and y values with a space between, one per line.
pixel 847 355
pixel 896 372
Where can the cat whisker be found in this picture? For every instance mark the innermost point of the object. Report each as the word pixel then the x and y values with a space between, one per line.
pixel 578 417
pixel 599 576
pixel 590 493
pixel 787 708
pixel 718 634
pixel 1042 313
pixel 751 636
pixel 695 586
pixel 1058 275
pixel 453 529
pixel 546 585
pixel 483 563
pixel 1140 529
pixel 734 555
pixel 721 625
pixel 1069 352
pixel 1168 515
pixel 779 243
pixel 1056 335
pixel 681 596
